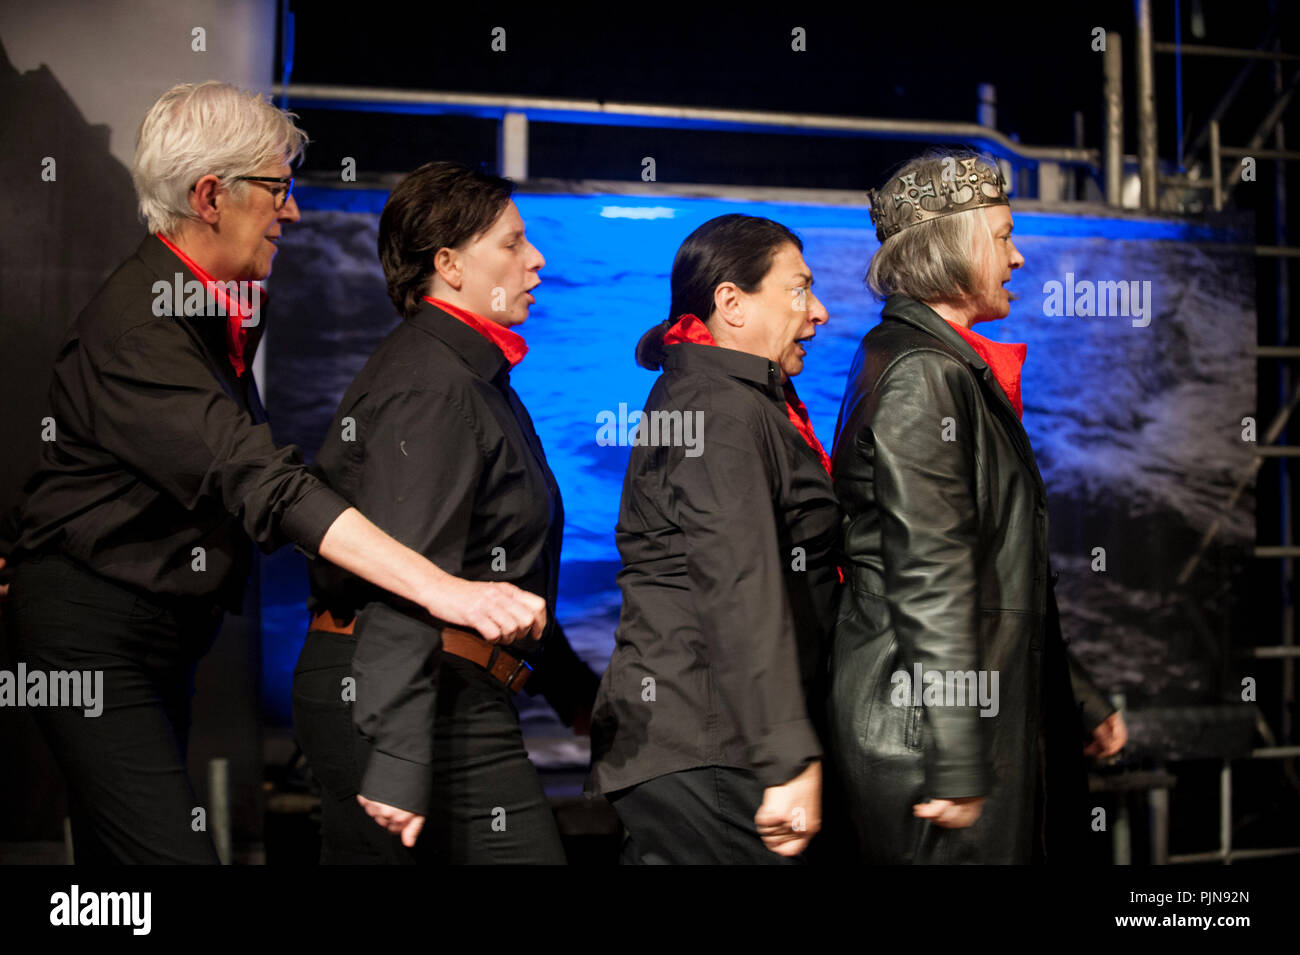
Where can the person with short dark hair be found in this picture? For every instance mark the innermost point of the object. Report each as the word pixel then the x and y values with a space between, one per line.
pixel 408 721
pixel 704 736
pixel 137 528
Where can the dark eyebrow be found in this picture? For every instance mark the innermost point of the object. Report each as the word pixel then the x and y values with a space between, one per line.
pixel 805 276
pixel 516 234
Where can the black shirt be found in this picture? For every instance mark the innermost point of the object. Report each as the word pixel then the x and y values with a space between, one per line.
pixel 729 579
pixel 433 445
pixel 160 449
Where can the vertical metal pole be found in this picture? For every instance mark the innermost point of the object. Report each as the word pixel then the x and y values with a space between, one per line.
pixel 1280 237
pixel 1158 800
pixel 512 146
pixel 1148 143
pixel 1122 833
pixel 1178 82
pixel 1225 811
pixel 1216 166
pixel 1113 141
pixel 987 115
pixel 219 806
pixel 68 847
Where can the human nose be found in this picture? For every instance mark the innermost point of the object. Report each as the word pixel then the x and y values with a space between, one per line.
pixel 1017 260
pixel 290 212
pixel 817 311
pixel 537 261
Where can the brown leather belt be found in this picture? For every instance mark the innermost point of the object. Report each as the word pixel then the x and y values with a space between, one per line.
pixel 502 664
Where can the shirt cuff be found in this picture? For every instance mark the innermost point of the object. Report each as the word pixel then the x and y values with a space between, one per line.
pixel 786 751
pixel 307 521
pixel 397 782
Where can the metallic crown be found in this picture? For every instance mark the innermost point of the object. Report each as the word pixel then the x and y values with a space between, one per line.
pixel 962 184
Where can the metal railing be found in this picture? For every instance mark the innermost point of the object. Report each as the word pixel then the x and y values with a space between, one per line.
pixel 514 113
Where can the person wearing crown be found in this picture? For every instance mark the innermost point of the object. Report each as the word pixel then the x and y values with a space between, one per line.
pixel 956 715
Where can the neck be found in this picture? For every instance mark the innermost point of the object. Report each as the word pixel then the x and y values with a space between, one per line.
pixel 723 335
pixel 958 314
pixel 453 297
pixel 198 242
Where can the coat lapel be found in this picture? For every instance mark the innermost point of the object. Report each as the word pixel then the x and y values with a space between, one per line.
pixel 920 315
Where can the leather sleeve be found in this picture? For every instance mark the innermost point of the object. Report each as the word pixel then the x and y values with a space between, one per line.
pixel 919 434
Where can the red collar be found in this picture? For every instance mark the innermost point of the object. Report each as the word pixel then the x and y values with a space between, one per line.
pixel 1004 359
pixel 236 331
pixel 690 330
pixel 511 343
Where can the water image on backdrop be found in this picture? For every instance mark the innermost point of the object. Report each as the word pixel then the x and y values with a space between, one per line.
pixel 1136 419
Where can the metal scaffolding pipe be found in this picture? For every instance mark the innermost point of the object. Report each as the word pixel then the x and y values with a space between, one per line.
pixel 1148 144
pixel 1113 150
pixel 556 110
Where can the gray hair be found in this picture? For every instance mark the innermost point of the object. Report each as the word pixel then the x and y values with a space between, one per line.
pixel 206 128
pixel 935 260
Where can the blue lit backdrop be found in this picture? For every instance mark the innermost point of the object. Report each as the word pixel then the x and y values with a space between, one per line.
pixel 1137 429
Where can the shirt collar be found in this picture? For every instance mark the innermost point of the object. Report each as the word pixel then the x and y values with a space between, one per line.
pixel 511 343
pixel 1002 360
pixel 237 340
pixel 688 345
pixel 482 356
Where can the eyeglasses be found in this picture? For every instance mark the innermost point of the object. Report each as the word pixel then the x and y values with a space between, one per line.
pixel 282 194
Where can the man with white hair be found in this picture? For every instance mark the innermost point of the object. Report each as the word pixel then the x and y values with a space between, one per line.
pixel 159 472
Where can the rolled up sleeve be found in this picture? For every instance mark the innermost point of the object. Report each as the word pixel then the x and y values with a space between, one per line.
pixel 161 410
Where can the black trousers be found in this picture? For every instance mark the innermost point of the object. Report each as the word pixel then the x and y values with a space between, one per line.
pixel 696 816
pixel 480 768
pixel 130 799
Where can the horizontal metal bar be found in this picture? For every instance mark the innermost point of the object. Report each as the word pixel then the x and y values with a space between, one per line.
pixel 552 109
pixel 1240 152
pixel 1197 49
pixel 1271 651
pixel 1277 351
pixel 1275 752
pixel 1265 251
pixel 1193 857
pixel 1185 182
pixel 1289 551
pixel 1278 451
pixel 1219 855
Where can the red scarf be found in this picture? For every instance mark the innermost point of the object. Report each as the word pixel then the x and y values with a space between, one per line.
pixel 691 330
pixel 1003 358
pixel 236 312
pixel 511 343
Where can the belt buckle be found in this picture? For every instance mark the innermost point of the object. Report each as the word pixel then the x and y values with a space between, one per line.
pixel 520 665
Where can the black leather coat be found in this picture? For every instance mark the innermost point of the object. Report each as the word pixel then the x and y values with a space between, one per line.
pixel 945 530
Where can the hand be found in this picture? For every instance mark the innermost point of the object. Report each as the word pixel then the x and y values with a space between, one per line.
pixel 951 813
pixel 497 610
pixel 397 821
pixel 791 814
pixel 1108 738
